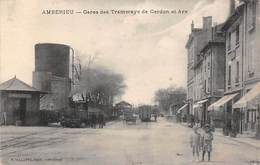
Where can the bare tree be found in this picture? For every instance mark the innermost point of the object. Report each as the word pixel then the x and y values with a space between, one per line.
pixel 78 64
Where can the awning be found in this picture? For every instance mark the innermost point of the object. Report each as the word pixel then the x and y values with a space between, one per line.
pixel 202 101
pixel 250 99
pixel 199 103
pixel 196 105
pixel 179 110
pixel 221 102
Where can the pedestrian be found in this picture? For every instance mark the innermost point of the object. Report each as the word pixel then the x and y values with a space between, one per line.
pixel 206 142
pixel 195 140
pixel 62 121
pixel 5 117
pixel 94 120
pixel 101 120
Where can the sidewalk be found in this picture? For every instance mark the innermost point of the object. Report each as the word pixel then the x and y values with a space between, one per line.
pixel 245 138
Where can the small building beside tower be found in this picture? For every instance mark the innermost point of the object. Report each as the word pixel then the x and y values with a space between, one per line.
pixel 19 103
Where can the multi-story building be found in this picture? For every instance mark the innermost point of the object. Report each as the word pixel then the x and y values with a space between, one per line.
pixel 250 66
pixel 193 46
pixel 213 73
pixel 242 67
pixel 252 63
pixel 205 68
pixel 234 28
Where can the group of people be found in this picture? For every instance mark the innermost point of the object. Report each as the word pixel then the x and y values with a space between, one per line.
pixel 201 140
pixel 97 119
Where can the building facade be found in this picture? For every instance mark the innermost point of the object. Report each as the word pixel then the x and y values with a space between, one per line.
pixel 197 39
pixel 242 68
pixel 212 74
pixel 19 103
pixel 252 61
pixel 205 68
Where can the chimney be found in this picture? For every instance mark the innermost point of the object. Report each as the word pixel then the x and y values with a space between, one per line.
pixel 232 7
pixel 192 26
pixel 207 22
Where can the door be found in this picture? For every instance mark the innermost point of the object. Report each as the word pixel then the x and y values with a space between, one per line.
pixel 22 110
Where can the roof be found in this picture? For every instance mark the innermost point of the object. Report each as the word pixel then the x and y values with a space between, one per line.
pixel 211 43
pixel 50 44
pixel 191 36
pixel 233 17
pixel 123 103
pixel 15 84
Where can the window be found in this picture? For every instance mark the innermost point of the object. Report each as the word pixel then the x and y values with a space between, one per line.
pixel 229 40
pixel 205 86
pixel 254 119
pixel 251 15
pixel 232 54
pixel 237 75
pixel 247 116
pixel 251 59
pixel 237 34
pixel 208 84
pixel 229 75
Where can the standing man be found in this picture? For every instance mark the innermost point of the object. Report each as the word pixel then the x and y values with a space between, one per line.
pixel 94 120
pixel 195 143
pixel 4 117
pixel 101 120
pixel 206 141
pixel 155 116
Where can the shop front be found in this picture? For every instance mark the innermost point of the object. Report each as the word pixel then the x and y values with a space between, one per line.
pixel 249 106
pixel 200 109
pixel 222 113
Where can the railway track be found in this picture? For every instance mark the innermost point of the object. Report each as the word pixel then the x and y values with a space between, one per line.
pixel 29 141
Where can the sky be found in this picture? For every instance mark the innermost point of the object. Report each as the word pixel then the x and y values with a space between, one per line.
pixel 148 49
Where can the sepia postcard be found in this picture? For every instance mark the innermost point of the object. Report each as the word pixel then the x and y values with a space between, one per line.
pixel 129 82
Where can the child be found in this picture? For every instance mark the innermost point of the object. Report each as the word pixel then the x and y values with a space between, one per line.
pixel 195 142
pixel 206 141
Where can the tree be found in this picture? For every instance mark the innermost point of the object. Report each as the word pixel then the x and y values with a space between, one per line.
pixel 171 96
pixel 101 84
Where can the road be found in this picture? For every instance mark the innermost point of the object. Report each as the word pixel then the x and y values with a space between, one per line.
pixel 153 143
